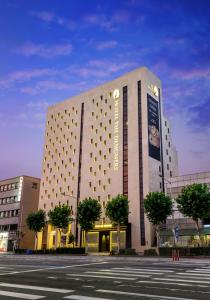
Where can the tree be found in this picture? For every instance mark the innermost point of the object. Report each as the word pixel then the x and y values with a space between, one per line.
pixel 194 202
pixel 60 217
pixel 158 207
pixel 88 212
pixel 117 210
pixel 36 222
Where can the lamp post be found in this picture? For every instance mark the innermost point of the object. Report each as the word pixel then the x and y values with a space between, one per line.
pixel 75 226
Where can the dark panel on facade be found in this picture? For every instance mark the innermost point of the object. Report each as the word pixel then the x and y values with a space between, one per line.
pixel 141 183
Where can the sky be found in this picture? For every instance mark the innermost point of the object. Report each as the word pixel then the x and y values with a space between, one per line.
pixel 51 50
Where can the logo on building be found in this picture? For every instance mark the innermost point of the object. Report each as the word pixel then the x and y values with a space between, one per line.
pixel 116 94
pixel 153 89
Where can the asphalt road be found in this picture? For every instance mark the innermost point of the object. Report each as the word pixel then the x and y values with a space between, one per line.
pixel 102 277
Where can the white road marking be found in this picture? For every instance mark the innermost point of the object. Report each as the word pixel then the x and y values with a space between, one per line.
pixel 54 268
pixel 171 283
pixel 142 295
pixel 33 287
pixel 131 271
pixel 88 286
pixel 52 277
pixel 193 274
pixel 100 276
pixel 182 280
pixel 116 273
pixel 21 295
pixel 78 297
pixel 145 270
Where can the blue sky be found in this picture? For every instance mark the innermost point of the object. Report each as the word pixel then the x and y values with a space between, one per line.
pixel 53 49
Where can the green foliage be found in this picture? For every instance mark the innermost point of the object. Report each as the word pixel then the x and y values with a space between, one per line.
pixel 127 251
pixel 150 252
pixel 36 220
pixel 62 250
pixel 158 207
pixel 88 212
pixel 60 216
pixel 117 209
pixel 194 201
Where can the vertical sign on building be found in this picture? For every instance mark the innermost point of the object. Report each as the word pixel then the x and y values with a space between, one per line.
pixel 153 128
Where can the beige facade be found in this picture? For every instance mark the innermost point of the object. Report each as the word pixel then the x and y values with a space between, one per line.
pixel 18 197
pixel 96 145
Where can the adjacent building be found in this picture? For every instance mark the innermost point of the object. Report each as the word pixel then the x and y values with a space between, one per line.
pixel 186 226
pixel 18 197
pixel 110 140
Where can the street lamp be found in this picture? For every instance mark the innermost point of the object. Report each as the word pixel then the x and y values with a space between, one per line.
pixel 76 224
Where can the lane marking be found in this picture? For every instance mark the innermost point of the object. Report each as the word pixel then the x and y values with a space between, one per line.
pixel 141 295
pixel 21 295
pixel 171 283
pixel 131 272
pixel 182 280
pixel 78 297
pixel 115 273
pixel 100 276
pixel 145 270
pixel 54 268
pixel 194 274
pixel 33 287
pixel 88 286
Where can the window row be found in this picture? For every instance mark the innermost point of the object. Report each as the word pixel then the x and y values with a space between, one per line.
pixel 8 187
pixel 9 227
pixel 8 200
pixel 9 213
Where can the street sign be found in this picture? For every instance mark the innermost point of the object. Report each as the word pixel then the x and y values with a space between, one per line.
pixel 176 232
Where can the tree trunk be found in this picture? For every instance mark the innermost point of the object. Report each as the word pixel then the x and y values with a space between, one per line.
pixel 118 238
pixel 158 239
pixel 36 238
pixel 198 231
pixel 86 241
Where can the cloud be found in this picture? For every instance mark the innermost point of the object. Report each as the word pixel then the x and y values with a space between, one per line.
pixel 45 16
pixel 100 20
pixel 46 85
pixel 50 18
pixel 30 49
pixel 38 105
pixel 102 68
pixel 200 116
pixel 24 75
pixel 192 74
pixel 106 45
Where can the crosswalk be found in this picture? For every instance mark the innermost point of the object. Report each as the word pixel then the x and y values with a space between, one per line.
pixel 128 282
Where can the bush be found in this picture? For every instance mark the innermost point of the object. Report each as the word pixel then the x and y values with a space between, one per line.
pixel 127 251
pixel 150 252
pixel 62 250
pixel 186 251
pixel 20 251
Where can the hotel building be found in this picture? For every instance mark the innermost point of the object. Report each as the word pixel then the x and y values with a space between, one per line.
pixel 110 140
pixel 18 197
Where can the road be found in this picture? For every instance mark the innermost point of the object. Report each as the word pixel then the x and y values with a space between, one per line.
pixel 102 277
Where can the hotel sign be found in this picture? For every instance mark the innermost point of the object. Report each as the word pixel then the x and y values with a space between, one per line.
pixel 153 89
pixel 116 96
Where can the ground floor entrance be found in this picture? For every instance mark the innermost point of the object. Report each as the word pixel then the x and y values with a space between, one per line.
pixel 103 238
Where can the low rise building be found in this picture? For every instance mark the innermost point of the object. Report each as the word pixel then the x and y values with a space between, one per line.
pixel 186 226
pixel 18 197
